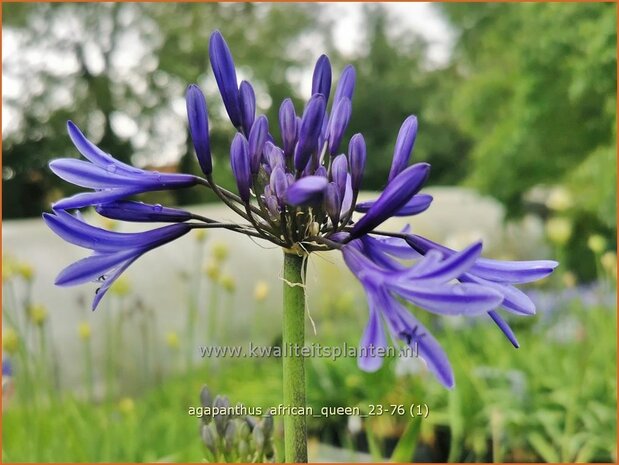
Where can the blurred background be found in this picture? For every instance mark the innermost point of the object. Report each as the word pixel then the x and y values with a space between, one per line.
pixel 517 115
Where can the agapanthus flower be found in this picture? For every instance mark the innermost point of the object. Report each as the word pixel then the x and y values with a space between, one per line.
pixel 299 191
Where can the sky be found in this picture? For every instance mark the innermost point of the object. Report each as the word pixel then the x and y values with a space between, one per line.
pixel 423 18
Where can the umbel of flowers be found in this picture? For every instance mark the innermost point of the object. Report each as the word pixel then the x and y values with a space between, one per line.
pixel 297 187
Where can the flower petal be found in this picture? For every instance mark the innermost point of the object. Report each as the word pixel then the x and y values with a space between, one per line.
pixel 256 141
pixel 450 268
pixel 90 268
pixel 428 347
pixel 373 338
pixel 82 234
pixel 247 101
pixel 514 300
pixel 504 327
pixel 95 155
pixel 288 126
pixel 225 75
pixel 395 196
pixel 101 291
pixel 418 204
pixel 321 79
pixel 338 122
pixel 141 212
pixel 239 161
pixel 449 299
pixel 403 146
pixel 85 174
pixel 197 115
pixel 86 199
pixel 357 157
pixel 307 190
pixel 516 272
pixel 309 130
pixel 346 84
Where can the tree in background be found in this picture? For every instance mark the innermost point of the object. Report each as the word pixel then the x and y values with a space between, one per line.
pixel 538 99
pixel 120 72
pixel 398 81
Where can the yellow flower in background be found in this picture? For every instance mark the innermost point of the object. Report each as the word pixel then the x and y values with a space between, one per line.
pixel 220 251
pixel 569 279
pixel 37 314
pixel 596 243
pixel 200 235
pixel 228 283
pixel 84 331
pixel 25 270
pixel 172 340
pixel 121 287
pixel 10 341
pixel 8 268
pixel 559 230
pixel 559 199
pixel 261 291
pixel 609 263
pixel 108 223
pixel 126 406
pixel 213 270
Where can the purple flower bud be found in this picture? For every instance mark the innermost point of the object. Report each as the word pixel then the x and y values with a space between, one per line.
pixel 321 81
pixel 403 146
pixel 239 160
pixel 225 75
pixel 274 155
pixel 306 191
pixel 257 138
pixel 198 127
pixel 288 126
pixel 356 155
pixel 339 170
pixel 247 100
pixel 346 84
pixel 395 196
pixel 338 122
pixel 279 184
pixel 321 171
pixel 127 210
pixel 333 204
pixel 311 123
pixel 271 201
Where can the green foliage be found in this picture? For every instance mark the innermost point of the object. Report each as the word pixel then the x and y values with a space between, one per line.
pixel 540 110
pixel 393 82
pixel 552 399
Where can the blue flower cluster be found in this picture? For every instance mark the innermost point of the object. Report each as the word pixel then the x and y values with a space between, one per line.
pixel 300 192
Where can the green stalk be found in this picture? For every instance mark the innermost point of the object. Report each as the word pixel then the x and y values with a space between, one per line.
pixel 293 339
pixel 88 370
pixel 212 312
pixel 194 301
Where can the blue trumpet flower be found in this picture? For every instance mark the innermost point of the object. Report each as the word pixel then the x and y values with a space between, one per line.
pixel 300 193
pixel 113 252
pixel 111 179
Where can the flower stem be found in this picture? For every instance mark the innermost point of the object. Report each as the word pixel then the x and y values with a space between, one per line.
pixel 293 335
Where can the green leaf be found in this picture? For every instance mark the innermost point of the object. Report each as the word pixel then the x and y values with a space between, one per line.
pixel 405 449
pixel 544 448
